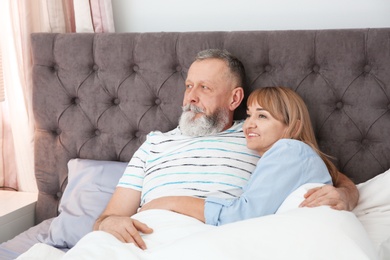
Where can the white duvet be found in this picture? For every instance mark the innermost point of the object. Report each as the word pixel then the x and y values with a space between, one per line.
pixel 303 233
pixel 292 233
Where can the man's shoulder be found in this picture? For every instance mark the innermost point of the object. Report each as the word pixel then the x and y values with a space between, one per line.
pixel 156 137
pixel 174 131
pixel 237 126
pixel 238 123
pixel 176 134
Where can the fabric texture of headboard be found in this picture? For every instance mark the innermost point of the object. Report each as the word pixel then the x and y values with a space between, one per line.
pixel 96 96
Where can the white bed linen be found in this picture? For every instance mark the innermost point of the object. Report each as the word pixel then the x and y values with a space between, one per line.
pixel 304 233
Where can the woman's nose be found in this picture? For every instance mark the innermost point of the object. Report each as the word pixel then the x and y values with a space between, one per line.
pixel 248 122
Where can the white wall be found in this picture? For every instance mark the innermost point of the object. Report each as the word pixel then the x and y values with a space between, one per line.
pixel 231 15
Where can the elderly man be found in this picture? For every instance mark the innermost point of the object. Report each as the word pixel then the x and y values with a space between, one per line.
pixel 206 155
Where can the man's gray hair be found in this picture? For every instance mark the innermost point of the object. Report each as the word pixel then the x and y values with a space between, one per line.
pixel 234 64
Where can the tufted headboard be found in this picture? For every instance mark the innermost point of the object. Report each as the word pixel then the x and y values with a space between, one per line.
pixel 96 96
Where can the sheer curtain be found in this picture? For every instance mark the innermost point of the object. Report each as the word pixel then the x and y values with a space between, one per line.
pixel 19 18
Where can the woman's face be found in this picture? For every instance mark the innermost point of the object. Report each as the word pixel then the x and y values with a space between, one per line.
pixel 261 129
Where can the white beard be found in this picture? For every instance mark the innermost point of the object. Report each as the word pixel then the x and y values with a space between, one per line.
pixel 204 125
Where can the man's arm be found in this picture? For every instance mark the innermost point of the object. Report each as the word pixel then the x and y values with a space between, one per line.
pixel 344 195
pixel 190 206
pixel 116 220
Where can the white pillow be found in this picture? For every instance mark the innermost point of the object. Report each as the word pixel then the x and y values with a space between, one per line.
pixel 373 210
pixel 384 250
pixel 90 187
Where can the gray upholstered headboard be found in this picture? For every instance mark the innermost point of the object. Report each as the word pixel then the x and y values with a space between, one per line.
pixel 96 96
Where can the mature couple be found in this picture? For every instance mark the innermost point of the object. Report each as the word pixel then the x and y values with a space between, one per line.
pixel 220 171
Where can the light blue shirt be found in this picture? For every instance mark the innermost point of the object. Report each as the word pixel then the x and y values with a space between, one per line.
pixel 281 170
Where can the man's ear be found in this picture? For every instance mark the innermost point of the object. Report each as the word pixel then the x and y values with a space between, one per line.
pixel 237 97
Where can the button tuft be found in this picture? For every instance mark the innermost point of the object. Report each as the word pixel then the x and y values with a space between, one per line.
pixel 365 142
pixel 339 105
pixel 367 68
pixel 75 100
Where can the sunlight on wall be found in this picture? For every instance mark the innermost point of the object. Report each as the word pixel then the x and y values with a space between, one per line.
pixel 230 15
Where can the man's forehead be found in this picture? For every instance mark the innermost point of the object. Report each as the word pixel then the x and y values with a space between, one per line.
pixel 206 70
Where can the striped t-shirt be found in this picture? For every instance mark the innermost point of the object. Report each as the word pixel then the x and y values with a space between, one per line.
pixel 172 164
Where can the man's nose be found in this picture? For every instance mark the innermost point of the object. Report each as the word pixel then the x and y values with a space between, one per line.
pixel 192 96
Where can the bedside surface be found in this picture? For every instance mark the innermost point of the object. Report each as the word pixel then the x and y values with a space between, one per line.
pixel 17 213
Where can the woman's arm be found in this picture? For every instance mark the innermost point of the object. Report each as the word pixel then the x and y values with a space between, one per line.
pixel 280 171
pixel 343 197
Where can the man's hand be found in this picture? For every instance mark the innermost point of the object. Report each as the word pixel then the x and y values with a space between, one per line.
pixel 342 196
pixel 328 195
pixel 125 229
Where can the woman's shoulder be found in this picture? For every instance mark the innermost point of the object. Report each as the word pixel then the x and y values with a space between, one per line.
pixel 293 146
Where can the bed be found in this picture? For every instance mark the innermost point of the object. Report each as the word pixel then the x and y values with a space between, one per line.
pixel 96 96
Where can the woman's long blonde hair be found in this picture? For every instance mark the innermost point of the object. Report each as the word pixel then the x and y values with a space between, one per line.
pixel 288 107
